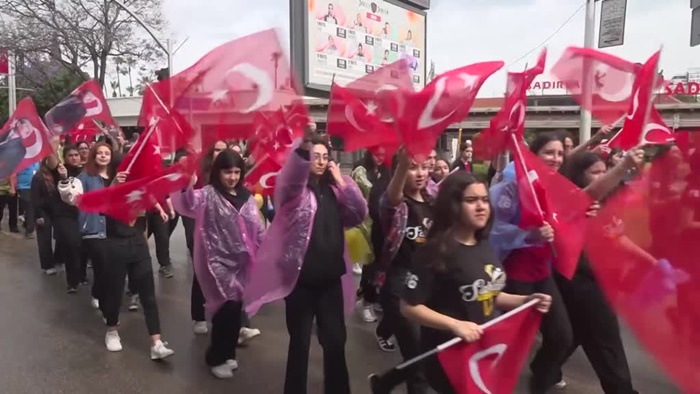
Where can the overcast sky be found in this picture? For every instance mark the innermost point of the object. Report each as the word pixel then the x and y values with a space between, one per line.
pixel 461 32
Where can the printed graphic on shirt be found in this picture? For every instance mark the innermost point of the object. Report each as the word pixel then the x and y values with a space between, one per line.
pixel 411 281
pixel 485 291
pixel 419 234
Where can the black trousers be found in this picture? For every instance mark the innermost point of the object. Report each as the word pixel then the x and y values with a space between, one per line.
pixel 196 296
pixel 225 328
pixel 557 335
pixel 96 250
pixel 325 303
pixel 161 236
pixel 44 240
pixel 68 239
pixel 366 291
pixel 10 202
pixel 129 256
pixel 597 330
pixel 25 205
pixel 407 333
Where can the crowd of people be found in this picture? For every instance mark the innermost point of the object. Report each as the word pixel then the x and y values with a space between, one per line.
pixel 435 246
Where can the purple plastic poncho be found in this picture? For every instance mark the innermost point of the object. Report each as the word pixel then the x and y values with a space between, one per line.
pixel 282 251
pixel 225 243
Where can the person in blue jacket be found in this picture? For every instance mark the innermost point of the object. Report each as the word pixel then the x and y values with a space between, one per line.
pixel 24 186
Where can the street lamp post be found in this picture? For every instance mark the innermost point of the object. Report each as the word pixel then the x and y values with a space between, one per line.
pixel 584 133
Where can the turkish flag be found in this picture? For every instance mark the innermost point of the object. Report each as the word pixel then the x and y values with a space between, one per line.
pixel 643 124
pixel 172 131
pixel 511 118
pixel 649 271
pixel 222 91
pixel 126 201
pixel 144 158
pixel 4 61
pixel 261 179
pixel 493 364
pixel 445 100
pixel 86 130
pixel 85 103
pixel 24 139
pixel 276 131
pixel 546 195
pixel 362 113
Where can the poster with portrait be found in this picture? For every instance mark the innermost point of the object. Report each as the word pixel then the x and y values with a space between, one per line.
pixel 24 139
pixel 348 39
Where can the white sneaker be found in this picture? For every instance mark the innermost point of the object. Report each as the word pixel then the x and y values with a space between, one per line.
pixel 95 303
pixel 357 269
pixel 133 303
pixel 222 371
pixel 246 334
pixel 200 328
pixel 233 364
pixel 51 271
pixel 112 341
pixel 160 351
pixel 560 385
pixel 366 312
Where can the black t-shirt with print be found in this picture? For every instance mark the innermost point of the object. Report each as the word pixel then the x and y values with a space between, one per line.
pixel 465 290
pixel 418 223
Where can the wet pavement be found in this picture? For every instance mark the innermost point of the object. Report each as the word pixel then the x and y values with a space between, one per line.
pixel 52 342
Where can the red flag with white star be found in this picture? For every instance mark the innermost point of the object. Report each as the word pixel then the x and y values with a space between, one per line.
pixel 144 159
pixel 85 103
pixel 172 131
pixel 276 131
pixel 126 201
pixel 262 177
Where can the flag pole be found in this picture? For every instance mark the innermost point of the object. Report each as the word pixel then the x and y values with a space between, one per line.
pixel 584 132
pixel 375 380
pixel 142 145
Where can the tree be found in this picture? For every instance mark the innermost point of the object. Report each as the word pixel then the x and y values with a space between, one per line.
pixel 81 33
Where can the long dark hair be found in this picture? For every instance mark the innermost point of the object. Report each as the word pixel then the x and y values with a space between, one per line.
pixel 374 171
pixel 47 176
pixel 543 139
pixel 327 177
pixel 225 160
pixel 447 212
pixel 576 166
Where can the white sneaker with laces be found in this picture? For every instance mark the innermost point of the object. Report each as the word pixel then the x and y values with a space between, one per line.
pixel 112 341
pixel 560 385
pixel 160 351
pixel 200 328
pixel 222 371
pixel 246 334
pixel 233 364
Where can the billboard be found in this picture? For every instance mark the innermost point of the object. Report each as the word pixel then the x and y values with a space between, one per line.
pixel 343 40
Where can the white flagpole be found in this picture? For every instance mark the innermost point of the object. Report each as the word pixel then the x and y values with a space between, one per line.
pixel 142 144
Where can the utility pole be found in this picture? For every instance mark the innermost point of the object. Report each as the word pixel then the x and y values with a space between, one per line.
pixel 11 82
pixel 584 133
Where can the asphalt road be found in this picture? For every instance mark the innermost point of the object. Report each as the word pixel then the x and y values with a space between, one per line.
pixel 52 342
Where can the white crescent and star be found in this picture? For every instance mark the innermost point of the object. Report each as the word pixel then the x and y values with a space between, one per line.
pixel 36 148
pixel 426 119
pixel 621 94
pixel 134 196
pixel 266 178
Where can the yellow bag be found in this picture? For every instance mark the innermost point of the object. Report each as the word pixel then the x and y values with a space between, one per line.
pixel 359 250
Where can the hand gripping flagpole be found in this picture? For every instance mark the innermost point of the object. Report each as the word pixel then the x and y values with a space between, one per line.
pixel 376 381
pixel 142 144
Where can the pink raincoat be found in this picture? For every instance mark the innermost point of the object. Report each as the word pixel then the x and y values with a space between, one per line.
pixel 225 243
pixel 282 251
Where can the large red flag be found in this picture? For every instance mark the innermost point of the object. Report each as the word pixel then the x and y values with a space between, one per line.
pixel 261 179
pixel 611 81
pixel 24 139
pixel 511 118
pixel 362 112
pixel 493 364
pixel 85 103
pixel 444 101
pixel 643 124
pixel 222 91
pixel 126 201
pixel 276 131
pixel 648 271
pixel 546 194
pixel 144 158
pixel 172 131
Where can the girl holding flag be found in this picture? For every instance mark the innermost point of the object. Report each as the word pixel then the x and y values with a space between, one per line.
pixel 455 282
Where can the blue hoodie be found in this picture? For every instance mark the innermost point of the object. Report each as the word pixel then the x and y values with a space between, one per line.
pixel 24 177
